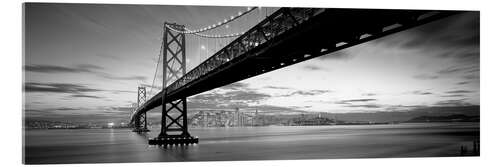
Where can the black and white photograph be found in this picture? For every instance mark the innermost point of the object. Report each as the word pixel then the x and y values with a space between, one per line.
pixel 137 83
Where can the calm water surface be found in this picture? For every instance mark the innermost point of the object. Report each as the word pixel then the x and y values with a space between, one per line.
pixel 252 143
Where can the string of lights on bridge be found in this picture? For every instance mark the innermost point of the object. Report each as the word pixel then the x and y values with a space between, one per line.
pixel 197 32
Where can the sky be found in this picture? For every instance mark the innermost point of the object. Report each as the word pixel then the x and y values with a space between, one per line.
pixel 84 62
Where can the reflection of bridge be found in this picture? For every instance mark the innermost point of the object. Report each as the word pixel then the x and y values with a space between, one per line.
pixel 286 37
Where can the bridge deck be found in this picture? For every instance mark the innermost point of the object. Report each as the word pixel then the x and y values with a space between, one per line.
pixel 289 36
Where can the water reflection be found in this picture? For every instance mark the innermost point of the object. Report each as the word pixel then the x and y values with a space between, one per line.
pixel 259 143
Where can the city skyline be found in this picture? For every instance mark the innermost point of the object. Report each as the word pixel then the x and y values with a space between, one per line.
pixel 85 62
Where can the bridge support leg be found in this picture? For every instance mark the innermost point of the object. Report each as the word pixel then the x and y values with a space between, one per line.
pixel 141 121
pixel 174 125
pixel 176 131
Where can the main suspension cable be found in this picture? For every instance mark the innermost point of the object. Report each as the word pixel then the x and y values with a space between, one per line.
pixel 226 21
pixel 157 65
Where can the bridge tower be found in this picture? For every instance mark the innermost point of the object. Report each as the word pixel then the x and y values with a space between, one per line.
pixel 141 122
pixel 174 123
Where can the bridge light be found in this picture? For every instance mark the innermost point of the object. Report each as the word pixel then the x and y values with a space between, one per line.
pixel 365 36
pixel 307 55
pixel 249 8
pixel 324 50
pixel 340 44
pixel 232 17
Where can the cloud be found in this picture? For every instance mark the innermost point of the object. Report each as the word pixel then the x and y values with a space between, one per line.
pixel 450 70
pixel 154 87
pixel 277 87
pixel 57 88
pixel 123 109
pixel 425 77
pixel 453 95
pixel 86 96
pixel 245 96
pixel 235 86
pixel 112 57
pixel 409 113
pixel 313 68
pixel 363 106
pixel 34 112
pixel 338 55
pixel 279 109
pixel 418 92
pixel 228 98
pixel 459 69
pixel 306 93
pixel 470 55
pixel 75 90
pixel 460 102
pixel 95 114
pixel 135 77
pixel 66 109
pixel 234 95
pixel 471 77
pixel 369 94
pixel 354 101
pixel 81 68
pixel 54 69
pixel 459 91
pixel 122 91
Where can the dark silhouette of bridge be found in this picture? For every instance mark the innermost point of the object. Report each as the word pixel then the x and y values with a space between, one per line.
pixel 286 37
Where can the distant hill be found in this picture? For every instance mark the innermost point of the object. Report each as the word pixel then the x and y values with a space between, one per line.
pixel 407 115
pixel 449 118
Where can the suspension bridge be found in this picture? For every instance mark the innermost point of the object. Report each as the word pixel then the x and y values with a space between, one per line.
pixel 283 37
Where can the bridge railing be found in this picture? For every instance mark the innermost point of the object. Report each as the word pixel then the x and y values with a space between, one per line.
pixel 266 30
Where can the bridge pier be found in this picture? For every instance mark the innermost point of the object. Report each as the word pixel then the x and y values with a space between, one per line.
pixel 141 124
pixel 176 131
pixel 174 63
